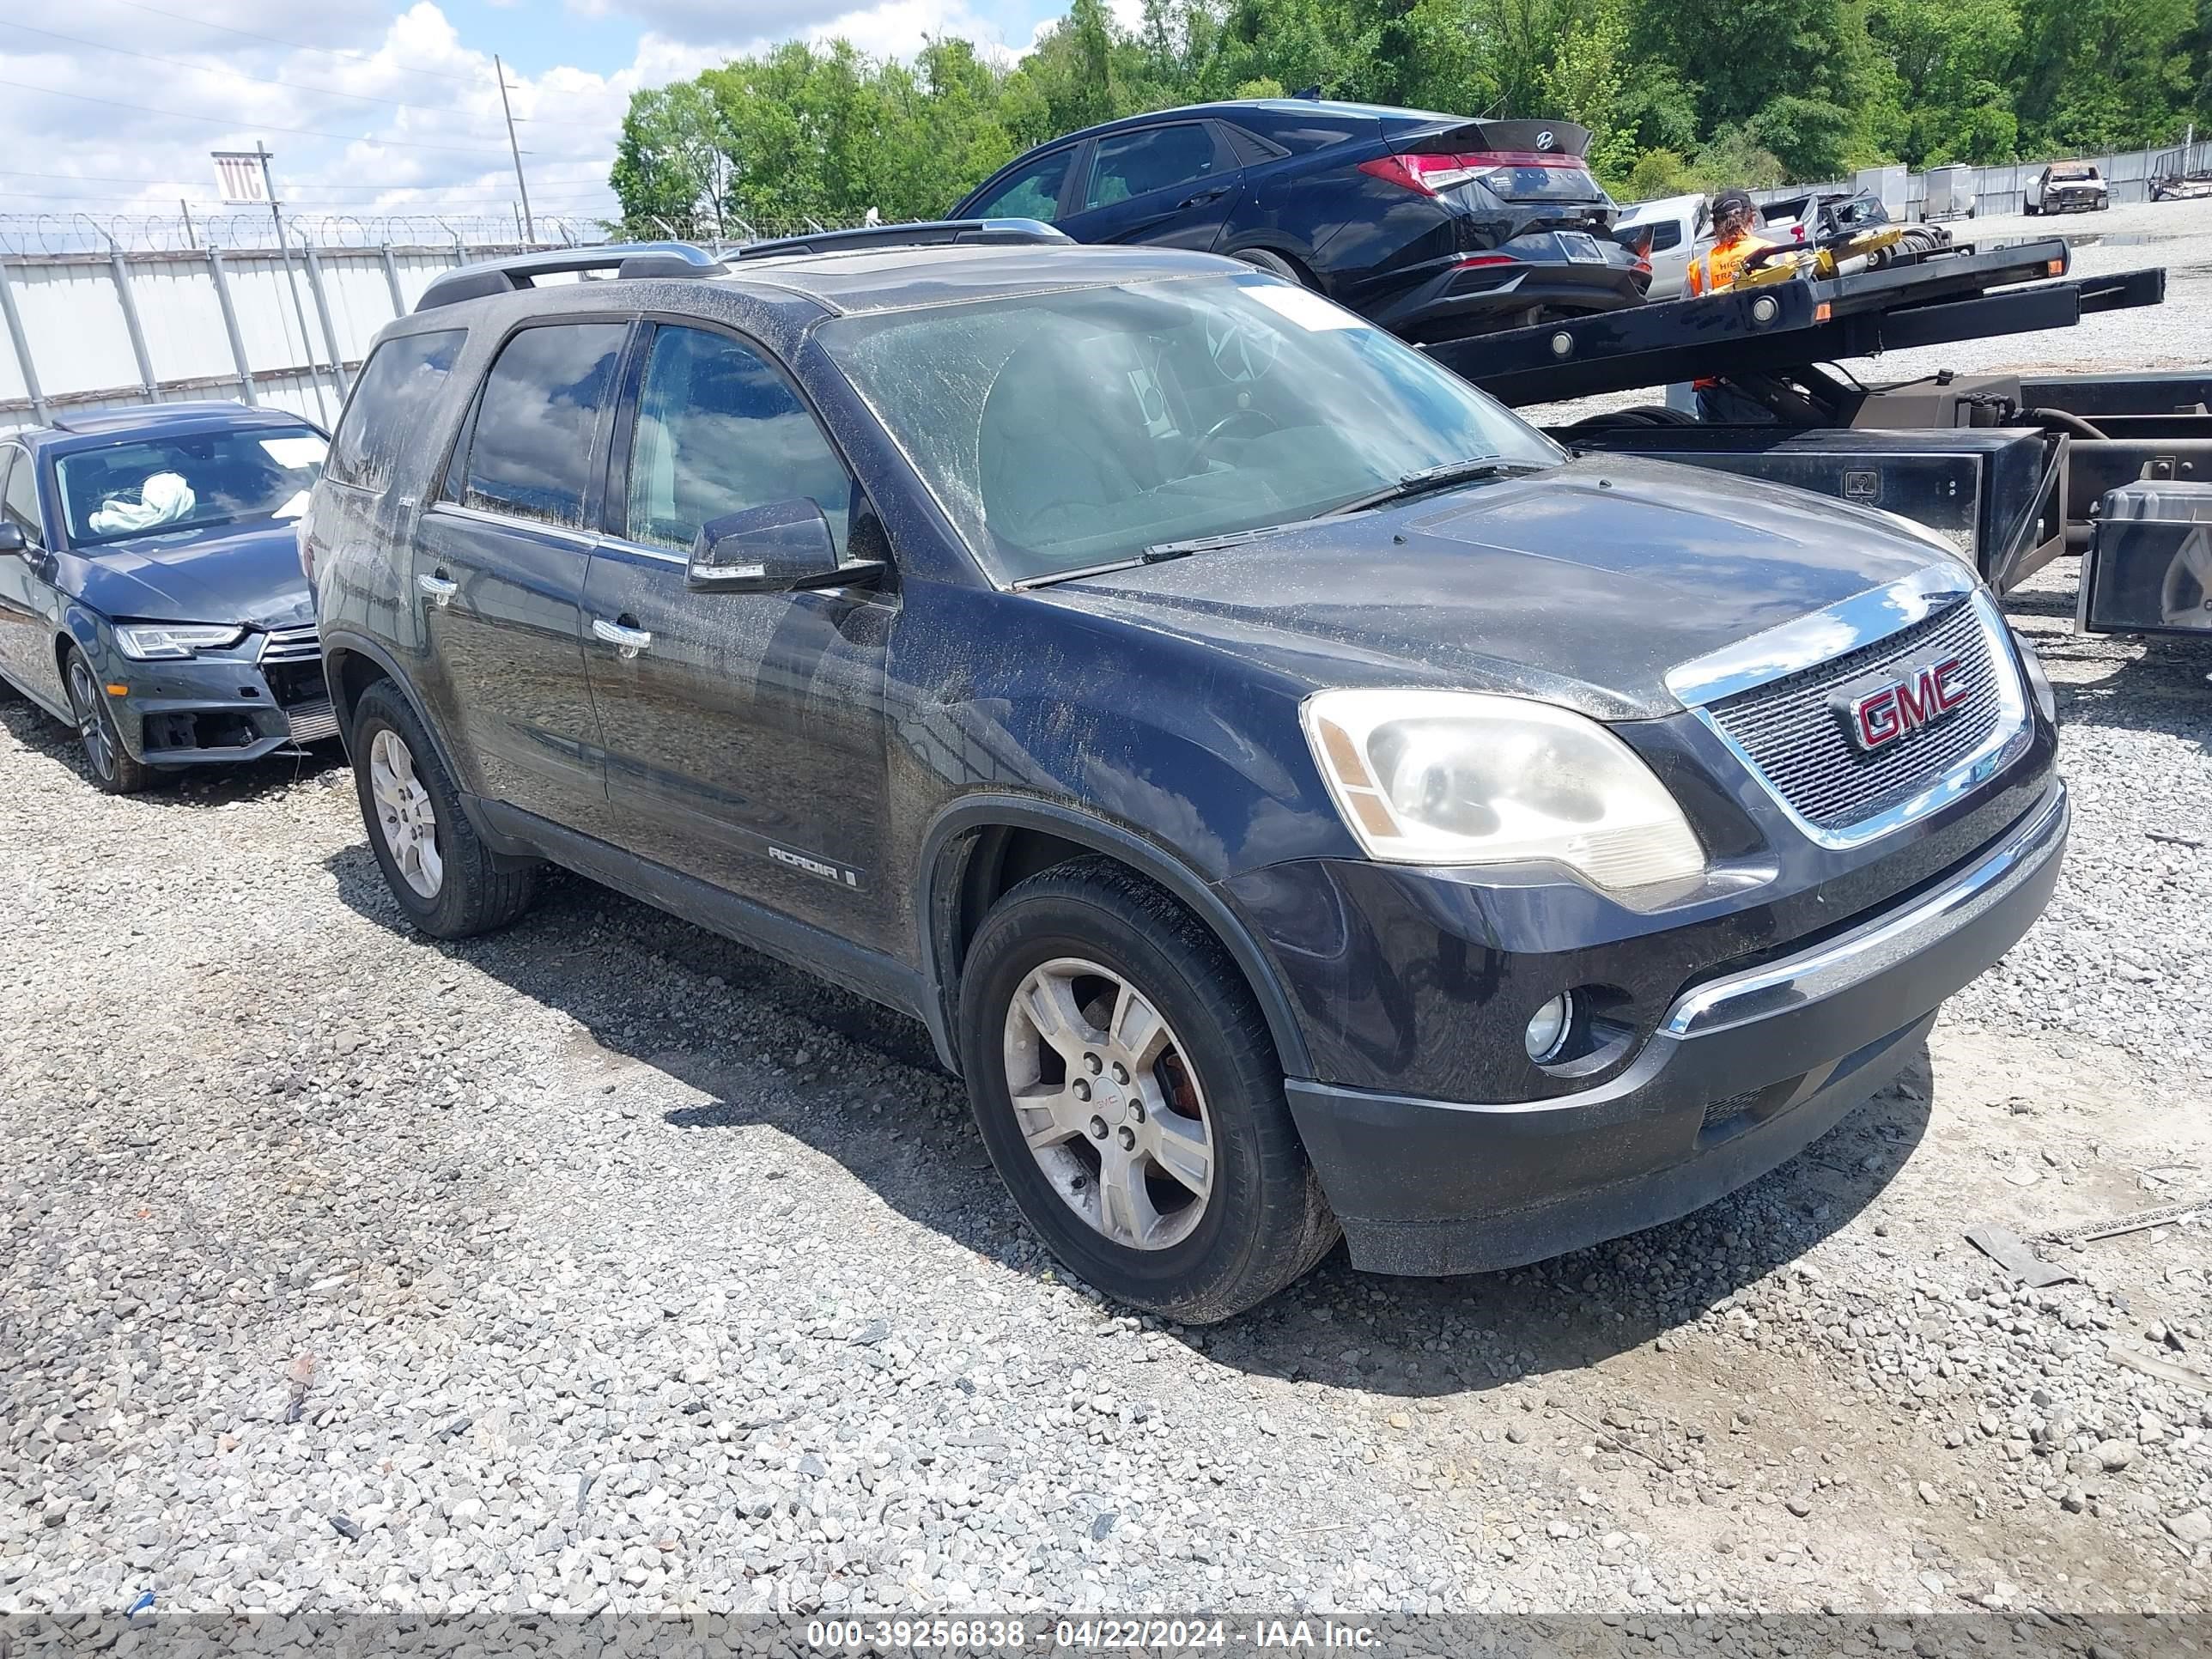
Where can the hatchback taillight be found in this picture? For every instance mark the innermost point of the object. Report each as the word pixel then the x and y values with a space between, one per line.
pixel 1429 172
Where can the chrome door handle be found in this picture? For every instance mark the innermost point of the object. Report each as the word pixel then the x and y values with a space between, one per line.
pixel 441 590
pixel 626 641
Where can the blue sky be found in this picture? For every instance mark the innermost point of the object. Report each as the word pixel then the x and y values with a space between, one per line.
pixel 109 107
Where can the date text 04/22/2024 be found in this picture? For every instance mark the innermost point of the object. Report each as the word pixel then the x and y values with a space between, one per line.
pixel 1083 1635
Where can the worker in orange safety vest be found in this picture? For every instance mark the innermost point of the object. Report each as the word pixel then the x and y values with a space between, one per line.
pixel 1734 215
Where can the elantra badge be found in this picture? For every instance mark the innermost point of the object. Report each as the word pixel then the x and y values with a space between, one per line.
pixel 1897 707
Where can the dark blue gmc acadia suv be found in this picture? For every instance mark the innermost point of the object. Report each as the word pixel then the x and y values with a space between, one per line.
pixel 1298 797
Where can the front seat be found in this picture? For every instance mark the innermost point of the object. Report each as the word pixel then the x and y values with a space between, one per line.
pixel 1059 448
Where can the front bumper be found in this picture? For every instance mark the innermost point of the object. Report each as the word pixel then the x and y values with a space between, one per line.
pixel 1745 1070
pixel 218 710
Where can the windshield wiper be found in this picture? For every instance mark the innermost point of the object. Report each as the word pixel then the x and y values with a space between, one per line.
pixel 1438 478
pixel 1159 555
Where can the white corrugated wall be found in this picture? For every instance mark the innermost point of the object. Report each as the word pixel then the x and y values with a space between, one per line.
pixel 72 321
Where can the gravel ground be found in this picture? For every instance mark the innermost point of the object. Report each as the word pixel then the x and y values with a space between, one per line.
pixel 604 1264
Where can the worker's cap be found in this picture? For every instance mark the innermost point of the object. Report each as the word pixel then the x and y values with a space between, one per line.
pixel 1732 201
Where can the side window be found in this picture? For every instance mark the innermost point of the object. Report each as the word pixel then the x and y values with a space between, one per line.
pixel 530 452
pixel 1665 234
pixel 720 430
pixel 1132 163
pixel 1032 193
pixel 22 497
pixel 390 403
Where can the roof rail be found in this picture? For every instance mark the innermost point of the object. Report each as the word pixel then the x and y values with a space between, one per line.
pixel 927 232
pixel 623 258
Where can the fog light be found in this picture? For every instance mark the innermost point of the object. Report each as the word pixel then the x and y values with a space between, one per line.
pixel 1547 1027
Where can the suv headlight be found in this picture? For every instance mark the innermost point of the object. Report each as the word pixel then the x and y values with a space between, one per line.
pixel 174 642
pixel 1466 777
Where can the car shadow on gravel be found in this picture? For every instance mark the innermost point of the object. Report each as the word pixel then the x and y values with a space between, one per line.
pixel 770 1045
pixel 41 734
pixel 1418 1338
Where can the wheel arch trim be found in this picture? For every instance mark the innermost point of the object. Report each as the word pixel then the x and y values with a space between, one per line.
pixel 936 873
pixel 345 641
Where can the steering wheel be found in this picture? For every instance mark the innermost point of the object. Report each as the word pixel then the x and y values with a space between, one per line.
pixel 1221 427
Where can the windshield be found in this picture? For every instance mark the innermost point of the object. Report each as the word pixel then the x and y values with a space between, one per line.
pixel 156 486
pixel 1069 429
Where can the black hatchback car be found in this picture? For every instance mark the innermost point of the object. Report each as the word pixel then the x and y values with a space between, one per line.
pixel 1295 794
pixel 1434 226
pixel 150 592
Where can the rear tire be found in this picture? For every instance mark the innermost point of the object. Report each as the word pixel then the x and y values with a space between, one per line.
pixel 441 875
pixel 1101 1003
pixel 112 767
pixel 1259 260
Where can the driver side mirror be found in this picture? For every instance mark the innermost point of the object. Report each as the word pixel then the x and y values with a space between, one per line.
pixel 785 547
pixel 12 539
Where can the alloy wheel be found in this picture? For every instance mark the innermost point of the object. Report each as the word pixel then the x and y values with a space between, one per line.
pixel 91 727
pixel 1108 1106
pixel 404 813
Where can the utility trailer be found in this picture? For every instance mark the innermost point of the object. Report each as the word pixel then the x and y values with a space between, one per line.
pixel 2013 470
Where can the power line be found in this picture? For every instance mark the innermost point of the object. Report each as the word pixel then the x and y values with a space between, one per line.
pixel 236 74
pixel 235 126
pixel 294 46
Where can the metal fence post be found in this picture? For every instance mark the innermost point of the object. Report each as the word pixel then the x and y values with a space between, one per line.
pixel 230 325
pixel 323 311
pixel 130 322
pixel 22 344
pixel 392 282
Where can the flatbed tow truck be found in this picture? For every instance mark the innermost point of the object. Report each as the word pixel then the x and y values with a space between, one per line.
pixel 2013 470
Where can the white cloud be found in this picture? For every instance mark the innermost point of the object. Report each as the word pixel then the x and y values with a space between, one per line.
pixel 409 110
pixel 409 118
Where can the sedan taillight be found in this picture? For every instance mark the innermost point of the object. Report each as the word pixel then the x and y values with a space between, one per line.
pixel 1426 173
pixel 1430 172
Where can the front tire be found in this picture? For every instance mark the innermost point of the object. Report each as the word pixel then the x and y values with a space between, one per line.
pixel 443 878
pixel 1128 1090
pixel 114 768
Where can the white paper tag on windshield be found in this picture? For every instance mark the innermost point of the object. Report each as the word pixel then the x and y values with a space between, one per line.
pixel 1307 309
pixel 294 452
pixel 293 508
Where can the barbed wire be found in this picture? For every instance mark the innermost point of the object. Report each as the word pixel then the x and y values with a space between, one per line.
pixel 150 233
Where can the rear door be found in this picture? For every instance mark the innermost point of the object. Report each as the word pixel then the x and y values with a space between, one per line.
pixel 500 561
pixel 1170 186
pixel 745 732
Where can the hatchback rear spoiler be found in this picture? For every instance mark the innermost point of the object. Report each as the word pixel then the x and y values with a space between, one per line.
pixel 1562 138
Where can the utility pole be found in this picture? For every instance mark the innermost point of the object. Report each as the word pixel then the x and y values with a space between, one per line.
pixel 284 252
pixel 529 225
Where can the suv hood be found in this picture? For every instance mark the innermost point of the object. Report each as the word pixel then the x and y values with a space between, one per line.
pixel 219 574
pixel 1582 586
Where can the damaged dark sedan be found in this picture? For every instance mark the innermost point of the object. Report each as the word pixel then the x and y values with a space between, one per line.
pixel 1298 797
pixel 151 590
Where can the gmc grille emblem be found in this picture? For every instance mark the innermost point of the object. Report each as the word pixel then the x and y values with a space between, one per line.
pixel 1897 707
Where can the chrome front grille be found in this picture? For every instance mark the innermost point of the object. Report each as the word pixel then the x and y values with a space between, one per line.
pixel 291 645
pixel 1794 729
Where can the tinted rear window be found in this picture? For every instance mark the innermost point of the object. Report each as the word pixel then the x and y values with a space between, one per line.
pixel 389 404
pixel 539 421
